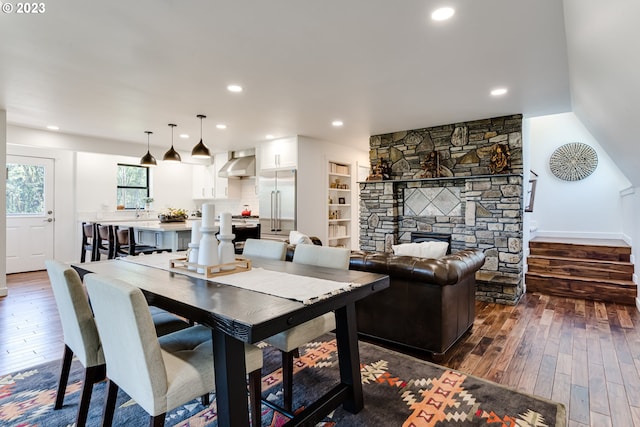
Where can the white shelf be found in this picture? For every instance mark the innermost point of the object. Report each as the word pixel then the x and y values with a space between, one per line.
pixel 340 175
pixel 339 226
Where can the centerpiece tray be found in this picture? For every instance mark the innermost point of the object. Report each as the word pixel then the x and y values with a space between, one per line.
pixel 240 264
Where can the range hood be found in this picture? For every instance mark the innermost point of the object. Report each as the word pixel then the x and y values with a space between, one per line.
pixel 241 164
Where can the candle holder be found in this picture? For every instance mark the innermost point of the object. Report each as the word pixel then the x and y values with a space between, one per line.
pixel 226 251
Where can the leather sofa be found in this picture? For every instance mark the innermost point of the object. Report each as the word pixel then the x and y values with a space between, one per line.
pixel 429 304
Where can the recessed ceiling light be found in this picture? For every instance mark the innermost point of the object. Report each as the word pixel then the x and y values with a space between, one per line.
pixel 499 91
pixel 269 136
pixel 442 14
pixel 184 136
pixel 53 127
pixel 337 123
pixel 221 126
pixel 234 88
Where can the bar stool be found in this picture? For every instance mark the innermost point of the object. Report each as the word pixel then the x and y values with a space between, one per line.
pixel 104 242
pixel 125 243
pixel 88 241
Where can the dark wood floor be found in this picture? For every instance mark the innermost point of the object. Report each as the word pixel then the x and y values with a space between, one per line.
pixel 582 353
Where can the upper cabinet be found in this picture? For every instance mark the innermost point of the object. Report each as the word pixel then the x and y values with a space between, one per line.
pixel 203 182
pixel 278 154
pixel 207 185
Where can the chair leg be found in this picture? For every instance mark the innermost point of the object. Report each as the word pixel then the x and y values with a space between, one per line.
pixel 205 399
pixel 92 375
pixel 157 421
pixel 255 398
pixel 64 376
pixel 287 379
pixel 109 404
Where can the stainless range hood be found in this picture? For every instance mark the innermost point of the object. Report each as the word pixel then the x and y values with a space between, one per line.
pixel 241 164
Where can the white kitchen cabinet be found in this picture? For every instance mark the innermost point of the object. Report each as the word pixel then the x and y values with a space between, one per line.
pixel 279 154
pixel 203 186
pixel 225 188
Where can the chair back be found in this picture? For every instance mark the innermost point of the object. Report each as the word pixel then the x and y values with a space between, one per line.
pixel 131 349
pixel 104 241
pixel 322 256
pixel 88 241
pixel 124 241
pixel 78 326
pixel 271 249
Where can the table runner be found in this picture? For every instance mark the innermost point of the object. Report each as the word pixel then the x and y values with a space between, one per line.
pixel 304 289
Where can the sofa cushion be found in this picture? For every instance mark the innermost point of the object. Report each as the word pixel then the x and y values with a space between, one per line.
pixel 298 238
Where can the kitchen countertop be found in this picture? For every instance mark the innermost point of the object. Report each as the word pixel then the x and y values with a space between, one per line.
pixel 151 225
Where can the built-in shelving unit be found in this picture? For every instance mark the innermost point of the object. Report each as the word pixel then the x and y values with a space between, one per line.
pixel 339 205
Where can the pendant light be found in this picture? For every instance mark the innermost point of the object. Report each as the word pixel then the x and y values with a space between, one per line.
pixel 148 159
pixel 172 155
pixel 201 151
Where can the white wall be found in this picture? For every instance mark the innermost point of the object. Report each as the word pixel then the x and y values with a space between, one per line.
pixel 591 207
pixel 97 181
pixel 313 162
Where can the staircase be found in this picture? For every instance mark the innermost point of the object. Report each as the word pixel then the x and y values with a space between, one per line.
pixel 581 268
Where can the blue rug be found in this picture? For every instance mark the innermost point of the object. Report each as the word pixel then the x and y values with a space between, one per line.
pixel 399 391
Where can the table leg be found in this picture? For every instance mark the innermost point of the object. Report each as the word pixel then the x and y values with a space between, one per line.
pixel 231 385
pixel 349 356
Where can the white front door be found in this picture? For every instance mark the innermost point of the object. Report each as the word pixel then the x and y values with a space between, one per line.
pixel 29 213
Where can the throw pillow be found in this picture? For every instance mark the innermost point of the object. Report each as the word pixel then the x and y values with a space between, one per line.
pixel 297 238
pixel 422 250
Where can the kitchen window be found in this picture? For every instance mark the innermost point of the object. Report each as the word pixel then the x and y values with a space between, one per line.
pixel 133 186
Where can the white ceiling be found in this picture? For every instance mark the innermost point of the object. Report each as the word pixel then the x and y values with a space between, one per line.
pixel 116 68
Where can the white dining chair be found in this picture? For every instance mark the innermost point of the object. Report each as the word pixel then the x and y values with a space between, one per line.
pixel 160 374
pixel 80 334
pixel 262 248
pixel 290 340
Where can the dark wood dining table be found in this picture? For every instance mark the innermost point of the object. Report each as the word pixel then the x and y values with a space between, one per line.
pixel 237 315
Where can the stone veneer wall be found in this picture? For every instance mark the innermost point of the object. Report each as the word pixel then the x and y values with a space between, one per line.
pixel 479 210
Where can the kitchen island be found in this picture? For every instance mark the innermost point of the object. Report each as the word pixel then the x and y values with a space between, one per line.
pixel 163 235
pixel 177 235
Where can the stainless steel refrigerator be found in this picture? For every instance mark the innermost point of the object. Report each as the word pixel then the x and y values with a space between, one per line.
pixel 277 199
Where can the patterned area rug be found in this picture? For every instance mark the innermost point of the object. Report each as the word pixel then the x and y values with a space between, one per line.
pixel 399 391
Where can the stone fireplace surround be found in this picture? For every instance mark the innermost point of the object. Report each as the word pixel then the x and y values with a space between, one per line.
pixel 479 210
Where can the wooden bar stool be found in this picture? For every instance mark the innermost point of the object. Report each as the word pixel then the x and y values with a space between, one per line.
pixel 125 243
pixel 88 241
pixel 104 242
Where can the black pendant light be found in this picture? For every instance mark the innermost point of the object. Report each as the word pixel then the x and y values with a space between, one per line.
pixel 200 150
pixel 148 159
pixel 172 155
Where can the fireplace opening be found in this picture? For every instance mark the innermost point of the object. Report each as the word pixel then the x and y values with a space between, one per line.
pixel 427 236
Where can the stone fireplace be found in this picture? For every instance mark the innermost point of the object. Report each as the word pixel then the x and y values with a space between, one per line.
pixel 478 208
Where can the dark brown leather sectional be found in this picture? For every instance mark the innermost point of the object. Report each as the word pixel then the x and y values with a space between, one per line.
pixel 429 305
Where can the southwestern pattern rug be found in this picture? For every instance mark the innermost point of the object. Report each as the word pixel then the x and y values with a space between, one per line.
pixel 399 391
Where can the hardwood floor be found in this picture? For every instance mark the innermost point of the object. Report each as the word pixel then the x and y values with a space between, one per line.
pixel 582 353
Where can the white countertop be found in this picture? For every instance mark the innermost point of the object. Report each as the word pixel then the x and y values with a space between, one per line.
pixel 152 225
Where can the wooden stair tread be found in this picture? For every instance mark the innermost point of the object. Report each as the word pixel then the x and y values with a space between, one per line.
pixel 623 283
pixel 583 260
pixel 581 241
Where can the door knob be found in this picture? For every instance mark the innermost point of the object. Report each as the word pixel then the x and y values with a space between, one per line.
pixel 48 220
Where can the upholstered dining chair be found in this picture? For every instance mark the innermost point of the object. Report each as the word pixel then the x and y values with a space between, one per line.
pixel 289 341
pixel 271 249
pixel 81 335
pixel 160 374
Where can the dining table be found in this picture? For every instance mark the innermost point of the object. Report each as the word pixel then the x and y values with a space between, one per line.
pixel 238 315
